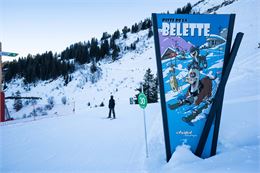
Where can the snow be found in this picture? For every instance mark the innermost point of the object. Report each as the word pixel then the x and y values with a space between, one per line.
pixel 84 141
pixel 183 158
pixel 217 65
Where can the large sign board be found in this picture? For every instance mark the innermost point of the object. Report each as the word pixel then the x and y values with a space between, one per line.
pixel 192 52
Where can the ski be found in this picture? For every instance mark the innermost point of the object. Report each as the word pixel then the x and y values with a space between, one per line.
pixel 196 112
pixel 174 106
pixel 177 105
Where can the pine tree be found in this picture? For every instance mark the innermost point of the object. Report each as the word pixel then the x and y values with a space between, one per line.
pixel 150 87
pixel 185 10
pixel 134 28
pixel 93 67
pixel 105 36
pixel 116 35
pixel 125 30
pixel 188 8
pixel 104 50
pixel 115 53
pixel 148 84
pixel 178 11
pixel 93 47
pixel 146 24
pixel 86 54
pixel 18 105
pixel 112 44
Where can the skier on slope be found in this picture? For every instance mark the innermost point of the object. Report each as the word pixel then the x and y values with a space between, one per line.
pixel 111 107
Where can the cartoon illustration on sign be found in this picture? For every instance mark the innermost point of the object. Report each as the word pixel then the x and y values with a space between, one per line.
pixel 191 58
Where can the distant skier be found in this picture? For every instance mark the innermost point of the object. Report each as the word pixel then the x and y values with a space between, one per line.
pixel 111 107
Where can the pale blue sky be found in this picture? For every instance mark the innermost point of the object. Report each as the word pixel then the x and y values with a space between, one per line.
pixel 36 26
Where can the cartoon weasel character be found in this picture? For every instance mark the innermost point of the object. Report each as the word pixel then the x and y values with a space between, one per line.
pixel 198 89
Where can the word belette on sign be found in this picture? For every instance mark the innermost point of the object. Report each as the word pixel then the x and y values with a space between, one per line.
pixel 185 29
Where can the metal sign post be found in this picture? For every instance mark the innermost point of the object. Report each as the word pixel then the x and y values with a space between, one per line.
pixel 142 101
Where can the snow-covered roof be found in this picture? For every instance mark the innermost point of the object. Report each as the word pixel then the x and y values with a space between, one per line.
pixel 168 49
pixel 214 36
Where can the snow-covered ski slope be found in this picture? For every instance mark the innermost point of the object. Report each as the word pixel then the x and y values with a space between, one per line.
pixel 85 141
pixel 82 142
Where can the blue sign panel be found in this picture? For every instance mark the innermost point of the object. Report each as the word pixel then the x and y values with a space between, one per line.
pixel 191 52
